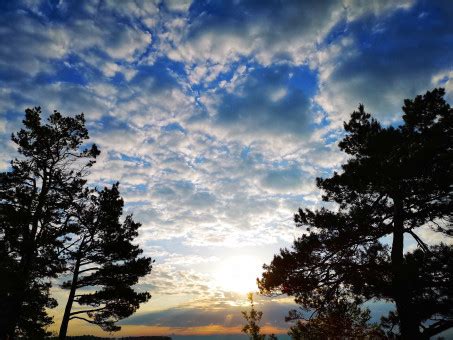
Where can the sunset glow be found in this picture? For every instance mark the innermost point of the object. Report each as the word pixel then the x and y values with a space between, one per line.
pixel 238 274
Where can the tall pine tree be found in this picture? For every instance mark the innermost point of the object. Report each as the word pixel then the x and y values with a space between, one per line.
pixel 37 200
pixel 397 180
pixel 104 264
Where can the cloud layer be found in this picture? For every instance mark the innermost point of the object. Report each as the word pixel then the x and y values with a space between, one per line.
pixel 216 117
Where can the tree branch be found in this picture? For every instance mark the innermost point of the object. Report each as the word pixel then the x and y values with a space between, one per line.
pixel 88 269
pixel 422 244
pixel 67 247
pixel 88 311
pixel 80 318
pixel 438 327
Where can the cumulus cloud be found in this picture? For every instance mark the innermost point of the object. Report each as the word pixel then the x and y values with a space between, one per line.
pixel 283 179
pixel 178 5
pixel 225 30
pixel 263 101
pixel 381 61
pixel 219 33
pixel 27 45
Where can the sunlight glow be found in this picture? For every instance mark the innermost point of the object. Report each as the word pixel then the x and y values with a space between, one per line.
pixel 238 273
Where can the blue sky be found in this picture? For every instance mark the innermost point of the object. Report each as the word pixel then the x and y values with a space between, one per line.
pixel 216 117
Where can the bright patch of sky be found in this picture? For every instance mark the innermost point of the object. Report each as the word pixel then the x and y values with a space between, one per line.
pixel 216 117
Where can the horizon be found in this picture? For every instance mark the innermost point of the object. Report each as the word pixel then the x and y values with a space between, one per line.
pixel 216 118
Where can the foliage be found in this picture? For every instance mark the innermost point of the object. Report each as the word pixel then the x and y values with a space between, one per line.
pixel 105 264
pixel 341 319
pixel 429 285
pixel 37 198
pixel 253 318
pixel 396 180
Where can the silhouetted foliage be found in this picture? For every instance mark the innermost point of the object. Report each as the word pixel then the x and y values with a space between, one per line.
pixel 429 278
pixel 105 264
pixel 92 337
pixel 37 197
pixel 253 318
pixel 341 319
pixel 397 180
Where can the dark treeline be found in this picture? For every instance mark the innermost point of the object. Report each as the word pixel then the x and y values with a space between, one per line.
pixel 396 182
pixel 91 337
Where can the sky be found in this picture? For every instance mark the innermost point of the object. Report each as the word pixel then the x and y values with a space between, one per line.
pixel 216 117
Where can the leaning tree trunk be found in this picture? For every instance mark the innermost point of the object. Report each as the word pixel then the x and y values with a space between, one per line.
pixel 408 325
pixel 67 311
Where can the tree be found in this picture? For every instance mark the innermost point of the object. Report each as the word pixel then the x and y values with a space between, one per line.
pixel 105 264
pixel 253 318
pixel 341 319
pixel 252 328
pixel 37 197
pixel 396 180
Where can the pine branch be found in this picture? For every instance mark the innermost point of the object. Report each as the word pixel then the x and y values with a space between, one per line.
pixel 88 311
pixel 84 319
pixel 422 244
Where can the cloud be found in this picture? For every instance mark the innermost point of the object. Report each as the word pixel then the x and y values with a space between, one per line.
pixel 178 5
pixel 27 45
pixel 67 98
pixel 132 9
pixel 381 61
pixel 263 101
pixel 219 33
pixel 31 41
pixel 287 178
pixel 222 314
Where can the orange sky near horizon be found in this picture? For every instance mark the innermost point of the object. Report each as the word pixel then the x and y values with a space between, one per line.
pixel 141 330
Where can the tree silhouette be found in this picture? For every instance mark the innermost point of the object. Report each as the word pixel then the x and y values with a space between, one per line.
pixel 37 197
pixel 253 318
pixel 396 180
pixel 341 319
pixel 429 276
pixel 105 264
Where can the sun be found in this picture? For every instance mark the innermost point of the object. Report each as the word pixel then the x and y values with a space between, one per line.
pixel 238 273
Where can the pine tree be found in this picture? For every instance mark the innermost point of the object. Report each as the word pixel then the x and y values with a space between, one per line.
pixel 105 264
pixel 253 318
pixel 396 180
pixel 37 198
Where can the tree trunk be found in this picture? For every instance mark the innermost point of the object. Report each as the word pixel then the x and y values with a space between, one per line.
pixel 11 317
pixel 16 299
pixel 67 311
pixel 408 325
pixel 28 253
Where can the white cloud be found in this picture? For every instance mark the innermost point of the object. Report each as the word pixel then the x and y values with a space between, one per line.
pixel 365 67
pixel 178 5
